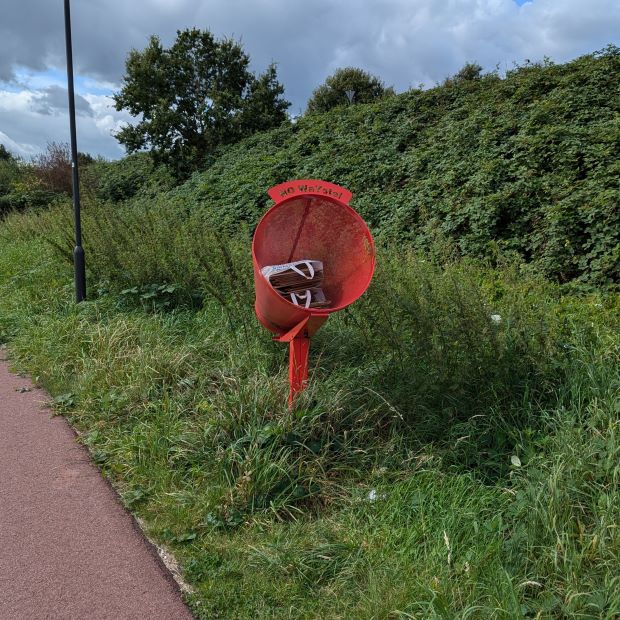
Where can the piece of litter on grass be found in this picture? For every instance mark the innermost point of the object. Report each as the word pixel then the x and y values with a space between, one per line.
pixel 496 318
pixel 374 496
pixel 515 460
pixel 447 541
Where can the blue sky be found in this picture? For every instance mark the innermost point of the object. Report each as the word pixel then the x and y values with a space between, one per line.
pixel 405 42
pixel 35 80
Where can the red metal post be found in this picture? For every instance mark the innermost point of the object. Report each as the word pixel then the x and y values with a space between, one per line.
pixel 299 348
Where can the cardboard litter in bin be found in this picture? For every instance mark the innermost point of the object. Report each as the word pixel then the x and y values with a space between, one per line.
pixel 300 274
pixel 299 282
pixel 310 298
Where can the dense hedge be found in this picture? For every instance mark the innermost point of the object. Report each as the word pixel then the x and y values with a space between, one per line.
pixel 19 188
pixel 529 162
pixel 133 176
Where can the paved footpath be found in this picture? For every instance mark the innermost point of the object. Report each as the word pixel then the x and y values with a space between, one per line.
pixel 68 549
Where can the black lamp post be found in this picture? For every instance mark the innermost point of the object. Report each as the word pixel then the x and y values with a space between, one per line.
pixel 78 252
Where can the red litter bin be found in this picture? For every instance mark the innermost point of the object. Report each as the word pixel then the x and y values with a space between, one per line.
pixel 311 219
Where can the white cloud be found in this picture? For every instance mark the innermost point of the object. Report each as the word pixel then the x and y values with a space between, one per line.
pixel 16 101
pixel 31 119
pixel 405 42
pixel 22 150
pixel 107 119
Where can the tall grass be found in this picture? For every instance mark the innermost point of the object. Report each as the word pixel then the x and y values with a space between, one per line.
pixel 456 455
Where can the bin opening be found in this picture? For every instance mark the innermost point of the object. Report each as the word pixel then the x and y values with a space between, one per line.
pixel 321 229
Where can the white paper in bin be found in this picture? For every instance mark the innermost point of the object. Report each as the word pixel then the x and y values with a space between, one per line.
pixel 313 267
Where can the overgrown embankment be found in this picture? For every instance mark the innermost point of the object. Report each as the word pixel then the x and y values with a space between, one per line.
pixel 529 163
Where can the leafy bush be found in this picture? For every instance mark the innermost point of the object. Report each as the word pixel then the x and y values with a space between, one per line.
pixel 134 175
pixel 41 182
pixel 361 86
pixel 21 189
pixel 528 163
pixel 5 155
pixel 53 169
pixel 158 255
pixel 9 174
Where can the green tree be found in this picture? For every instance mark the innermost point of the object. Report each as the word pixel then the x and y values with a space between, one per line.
pixel 5 155
pixel 469 72
pixel 193 97
pixel 9 173
pixel 363 86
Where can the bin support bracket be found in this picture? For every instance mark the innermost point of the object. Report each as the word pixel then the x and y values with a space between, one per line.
pixel 298 351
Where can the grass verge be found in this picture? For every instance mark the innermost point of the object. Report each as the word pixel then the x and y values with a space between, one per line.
pixel 458 455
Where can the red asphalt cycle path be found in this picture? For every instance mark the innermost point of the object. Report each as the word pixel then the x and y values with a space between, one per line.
pixel 68 548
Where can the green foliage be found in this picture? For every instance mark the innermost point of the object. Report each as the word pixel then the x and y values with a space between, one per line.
pixel 25 199
pixel 444 462
pixel 153 254
pixel 193 97
pixel 365 88
pixel 46 179
pixel 9 175
pixel 53 169
pixel 20 187
pixel 468 72
pixel 528 163
pixel 133 176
